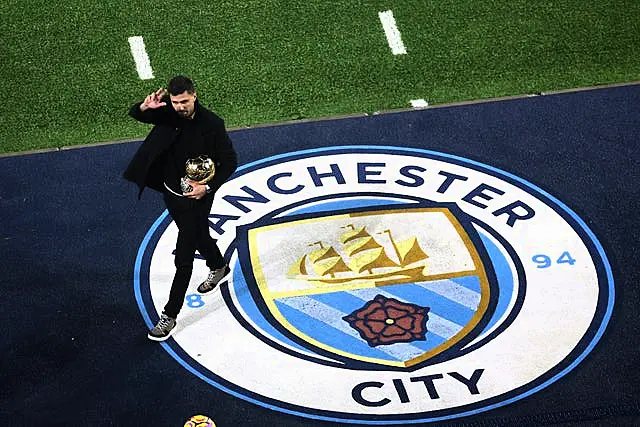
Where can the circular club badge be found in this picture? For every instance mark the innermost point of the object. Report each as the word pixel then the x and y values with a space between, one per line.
pixel 384 285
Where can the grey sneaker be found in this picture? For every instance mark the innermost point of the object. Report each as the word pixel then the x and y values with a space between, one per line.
pixel 163 329
pixel 215 276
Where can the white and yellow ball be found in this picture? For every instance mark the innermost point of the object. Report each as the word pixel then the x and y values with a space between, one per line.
pixel 199 421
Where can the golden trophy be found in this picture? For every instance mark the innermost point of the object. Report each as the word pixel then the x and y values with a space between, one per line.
pixel 199 170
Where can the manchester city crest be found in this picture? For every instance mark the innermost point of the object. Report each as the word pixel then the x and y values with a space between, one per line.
pixel 384 285
pixel 372 286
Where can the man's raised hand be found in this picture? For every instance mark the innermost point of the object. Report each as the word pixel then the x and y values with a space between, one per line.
pixel 154 100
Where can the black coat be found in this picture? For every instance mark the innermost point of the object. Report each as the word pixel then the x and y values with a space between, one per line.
pixel 146 168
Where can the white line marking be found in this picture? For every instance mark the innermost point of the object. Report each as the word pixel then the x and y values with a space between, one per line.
pixel 143 65
pixel 392 33
pixel 419 103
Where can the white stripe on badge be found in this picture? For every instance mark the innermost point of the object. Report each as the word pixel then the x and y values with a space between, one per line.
pixel 143 65
pixel 332 317
pixel 393 34
pixel 453 291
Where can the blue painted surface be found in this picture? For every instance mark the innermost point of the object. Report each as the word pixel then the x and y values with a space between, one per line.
pixel 70 237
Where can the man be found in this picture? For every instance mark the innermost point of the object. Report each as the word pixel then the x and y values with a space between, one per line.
pixel 183 130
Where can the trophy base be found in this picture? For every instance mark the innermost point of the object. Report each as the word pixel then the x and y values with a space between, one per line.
pixel 185 186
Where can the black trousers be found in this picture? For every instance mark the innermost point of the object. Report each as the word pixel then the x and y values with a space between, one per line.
pixel 192 218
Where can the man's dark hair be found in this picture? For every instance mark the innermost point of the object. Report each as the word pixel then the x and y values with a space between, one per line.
pixel 180 84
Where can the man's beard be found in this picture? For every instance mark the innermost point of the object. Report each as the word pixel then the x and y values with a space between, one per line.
pixel 186 114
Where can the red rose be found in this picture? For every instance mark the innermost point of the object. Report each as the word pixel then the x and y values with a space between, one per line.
pixel 388 321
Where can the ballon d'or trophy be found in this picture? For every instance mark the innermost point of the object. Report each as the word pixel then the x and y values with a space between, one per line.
pixel 199 170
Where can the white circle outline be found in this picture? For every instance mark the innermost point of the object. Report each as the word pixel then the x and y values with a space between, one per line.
pixel 520 182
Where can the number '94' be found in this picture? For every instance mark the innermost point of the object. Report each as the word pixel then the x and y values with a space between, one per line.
pixel 544 261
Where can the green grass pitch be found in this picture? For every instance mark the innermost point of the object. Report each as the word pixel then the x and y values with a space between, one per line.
pixel 68 75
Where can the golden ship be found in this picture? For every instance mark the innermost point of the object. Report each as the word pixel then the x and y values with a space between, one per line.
pixel 366 260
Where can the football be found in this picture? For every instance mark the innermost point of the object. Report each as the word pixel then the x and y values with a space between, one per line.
pixel 199 421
